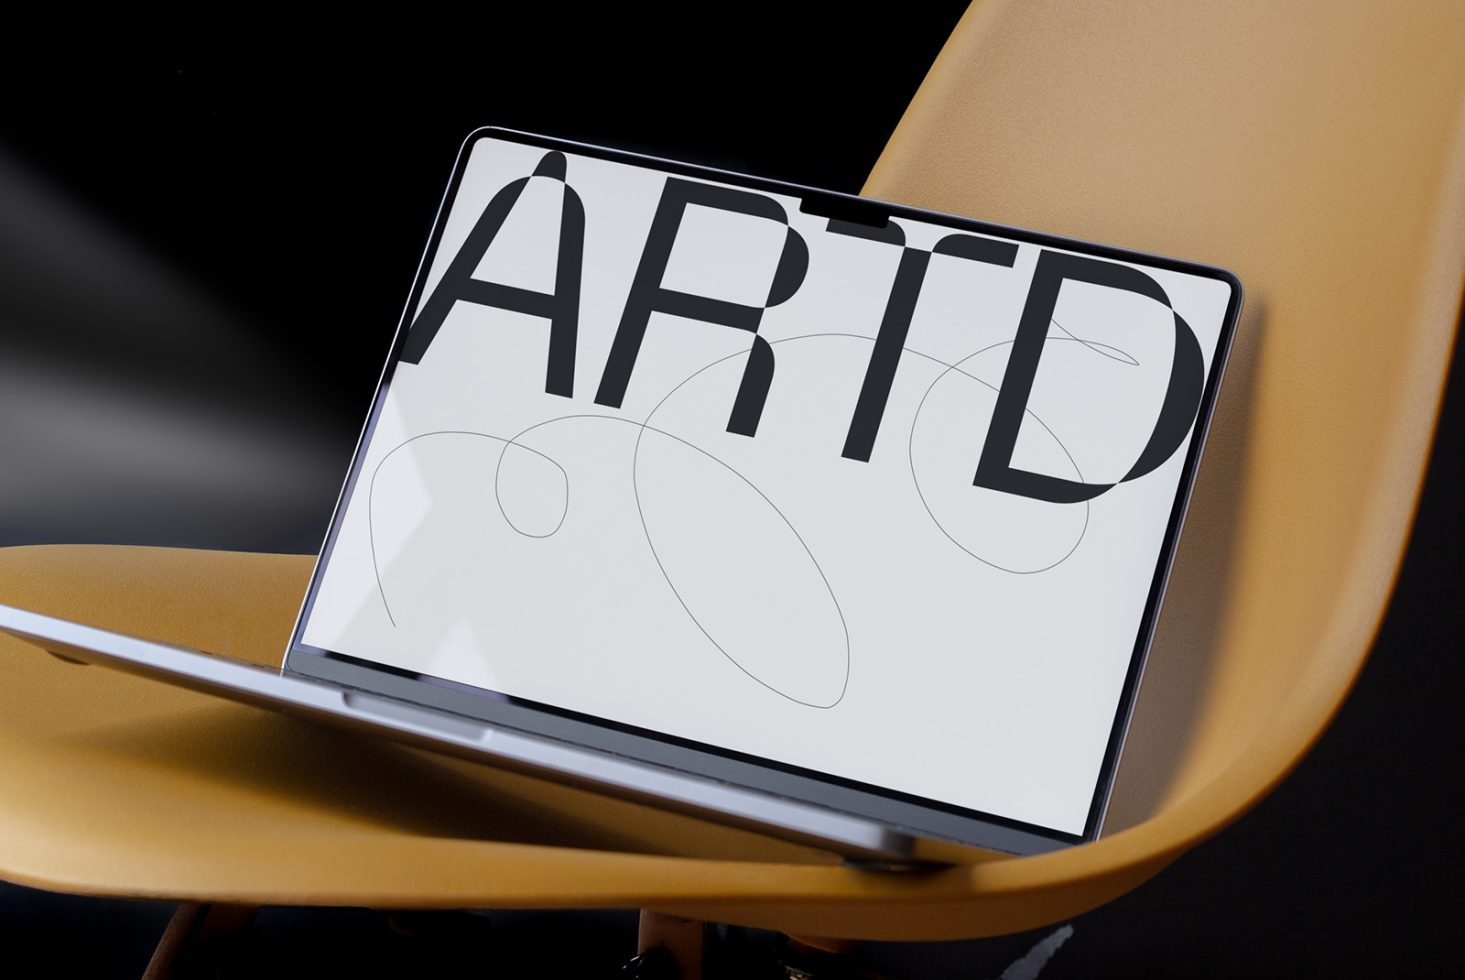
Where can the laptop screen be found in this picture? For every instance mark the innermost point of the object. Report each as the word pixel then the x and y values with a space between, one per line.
pixel 878 497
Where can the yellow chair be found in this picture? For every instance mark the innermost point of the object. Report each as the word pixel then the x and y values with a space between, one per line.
pixel 1316 149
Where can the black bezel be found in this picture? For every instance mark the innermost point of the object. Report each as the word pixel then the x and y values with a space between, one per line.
pixel 904 811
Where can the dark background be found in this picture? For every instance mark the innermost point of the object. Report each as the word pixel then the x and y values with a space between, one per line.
pixel 204 248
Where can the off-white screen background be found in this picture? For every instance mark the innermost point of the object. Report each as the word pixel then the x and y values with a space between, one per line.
pixel 882 621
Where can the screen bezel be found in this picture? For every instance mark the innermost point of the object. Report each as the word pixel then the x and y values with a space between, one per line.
pixel 915 814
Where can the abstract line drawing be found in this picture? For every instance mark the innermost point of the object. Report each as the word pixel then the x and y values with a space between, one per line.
pixel 515 442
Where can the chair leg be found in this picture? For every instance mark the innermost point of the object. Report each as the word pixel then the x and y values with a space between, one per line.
pixel 193 937
pixel 667 945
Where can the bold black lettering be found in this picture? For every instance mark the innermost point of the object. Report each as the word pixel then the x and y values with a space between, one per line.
pixel 896 322
pixel 648 295
pixel 1177 412
pixel 561 308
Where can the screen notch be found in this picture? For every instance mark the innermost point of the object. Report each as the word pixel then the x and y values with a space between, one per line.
pixel 846 209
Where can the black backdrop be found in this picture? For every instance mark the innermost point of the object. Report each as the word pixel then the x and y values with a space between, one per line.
pixel 204 246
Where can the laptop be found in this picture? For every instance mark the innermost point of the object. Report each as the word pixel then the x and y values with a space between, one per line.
pixel 841 520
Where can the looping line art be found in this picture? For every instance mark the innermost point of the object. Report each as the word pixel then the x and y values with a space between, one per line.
pixel 644 426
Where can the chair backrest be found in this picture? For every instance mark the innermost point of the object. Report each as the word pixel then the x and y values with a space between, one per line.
pixel 1318 150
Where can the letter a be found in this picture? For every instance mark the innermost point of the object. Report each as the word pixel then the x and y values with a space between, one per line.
pixel 561 308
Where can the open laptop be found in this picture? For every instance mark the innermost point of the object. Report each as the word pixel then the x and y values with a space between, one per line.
pixel 841 520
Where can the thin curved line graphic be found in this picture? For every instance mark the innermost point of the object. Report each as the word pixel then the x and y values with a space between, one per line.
pixel 643 426
pixel 371 497
pixel 636 489
pixel 1104 350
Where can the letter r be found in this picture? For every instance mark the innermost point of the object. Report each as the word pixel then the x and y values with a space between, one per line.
pixel 648 295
